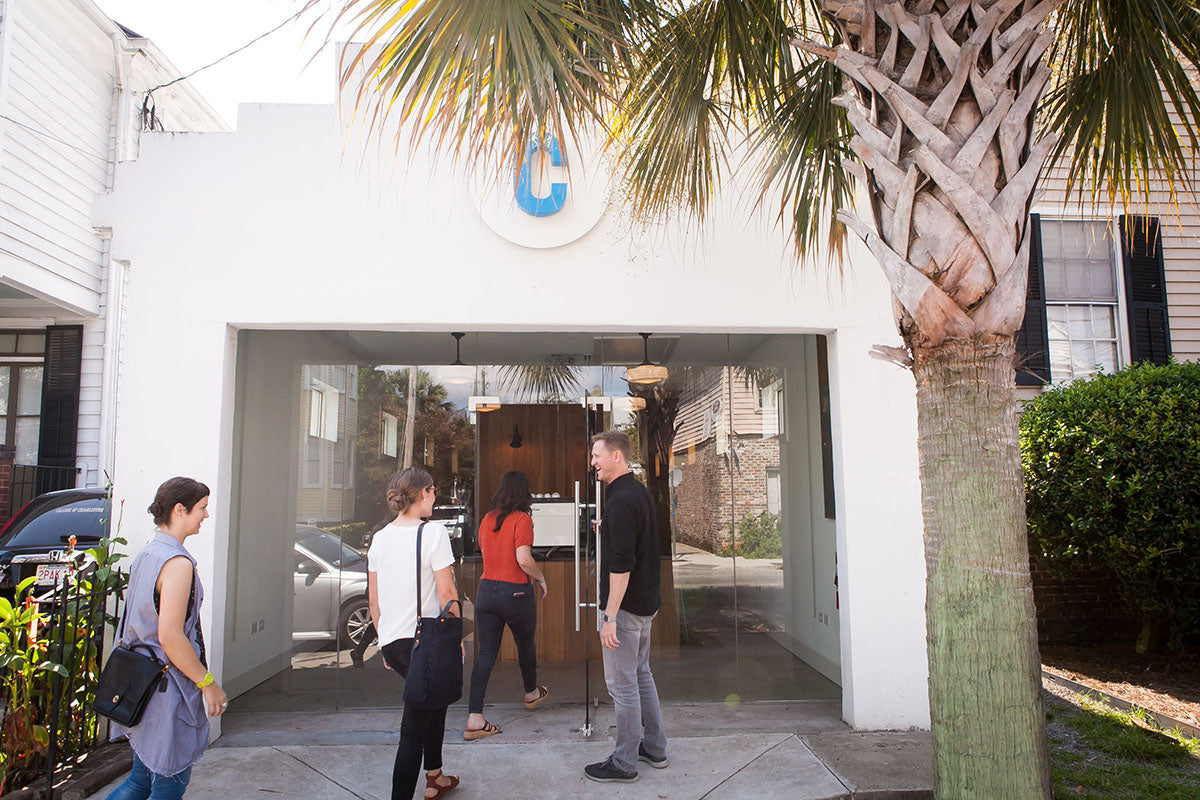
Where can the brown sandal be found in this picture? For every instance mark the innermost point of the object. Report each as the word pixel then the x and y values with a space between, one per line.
pixel 543 693
pixel 488 729
pixel 431 782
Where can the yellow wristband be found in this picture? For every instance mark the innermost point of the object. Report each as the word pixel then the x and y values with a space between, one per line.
pixel 208 680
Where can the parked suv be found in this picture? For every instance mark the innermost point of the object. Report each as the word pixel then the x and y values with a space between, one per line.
pixel 35 541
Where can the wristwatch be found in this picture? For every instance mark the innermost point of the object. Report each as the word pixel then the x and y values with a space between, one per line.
pixel 607 618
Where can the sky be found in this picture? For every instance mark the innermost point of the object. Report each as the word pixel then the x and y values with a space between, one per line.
pixel 275 70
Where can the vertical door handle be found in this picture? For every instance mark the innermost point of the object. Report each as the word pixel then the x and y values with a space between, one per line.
pixel 576 518
pixel 599 610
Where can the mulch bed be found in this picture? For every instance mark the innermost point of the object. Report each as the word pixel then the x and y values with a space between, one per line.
pixel 96 769
pixel 1167 683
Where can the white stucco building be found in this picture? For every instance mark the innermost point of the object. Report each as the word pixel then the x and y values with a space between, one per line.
pixel 274 269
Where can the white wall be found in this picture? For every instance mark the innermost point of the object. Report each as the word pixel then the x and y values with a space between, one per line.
pixel 278 227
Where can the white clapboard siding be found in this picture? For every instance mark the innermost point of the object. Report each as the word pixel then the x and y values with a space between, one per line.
pixel 1180 226
pixel 54 159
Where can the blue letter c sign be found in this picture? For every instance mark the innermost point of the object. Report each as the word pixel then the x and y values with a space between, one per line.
pixel 540 206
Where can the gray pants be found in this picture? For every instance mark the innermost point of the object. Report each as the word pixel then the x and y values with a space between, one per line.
pixel 635 697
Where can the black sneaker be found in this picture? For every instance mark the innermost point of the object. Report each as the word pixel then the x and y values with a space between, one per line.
pixel 605 772
pixel 657 763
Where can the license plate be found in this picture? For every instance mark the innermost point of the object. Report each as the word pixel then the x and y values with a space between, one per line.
pixel 51 574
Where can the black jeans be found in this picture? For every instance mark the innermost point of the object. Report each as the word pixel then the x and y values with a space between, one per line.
pixel 500 603
pixel 421 730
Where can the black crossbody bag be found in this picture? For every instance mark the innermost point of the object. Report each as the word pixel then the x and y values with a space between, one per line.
pixel 128 681
pixel 435 669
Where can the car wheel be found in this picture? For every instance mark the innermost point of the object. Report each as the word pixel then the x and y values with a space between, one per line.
pixel 354 621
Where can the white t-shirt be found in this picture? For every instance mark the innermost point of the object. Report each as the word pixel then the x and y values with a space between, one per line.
pixel 393 558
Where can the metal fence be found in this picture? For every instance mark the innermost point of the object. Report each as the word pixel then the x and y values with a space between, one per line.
pixel 29 481
pixel 78 626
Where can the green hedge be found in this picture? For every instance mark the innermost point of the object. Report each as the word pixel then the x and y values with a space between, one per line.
pixel 758 536
pixel 1112 480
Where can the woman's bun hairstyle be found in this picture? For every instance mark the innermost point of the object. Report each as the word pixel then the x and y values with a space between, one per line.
pixel 185 491
pixel 405 489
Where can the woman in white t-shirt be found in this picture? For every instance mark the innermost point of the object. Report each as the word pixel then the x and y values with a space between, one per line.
pixel 392 591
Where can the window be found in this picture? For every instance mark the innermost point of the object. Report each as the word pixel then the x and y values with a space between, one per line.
pixel 1079 263
pixel 770 400
pixel 338 477
pixel 314 462
pixel 50 523
pixel 323 411
pixel 389 435
pixel 20 410
pixel 773 491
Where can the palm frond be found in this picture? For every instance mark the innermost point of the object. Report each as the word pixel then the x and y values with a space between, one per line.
pixel 801 144
pixel 484 78
pixel 694 76
pixel 1123 85
pixel 549 381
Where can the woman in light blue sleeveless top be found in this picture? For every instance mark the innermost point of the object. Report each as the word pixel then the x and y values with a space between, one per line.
pixel 162 612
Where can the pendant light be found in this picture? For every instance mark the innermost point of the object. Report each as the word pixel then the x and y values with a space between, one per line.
pixel 516 439
pixel 457 372
pixel 646 372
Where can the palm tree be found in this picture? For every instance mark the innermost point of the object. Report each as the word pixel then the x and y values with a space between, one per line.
pixel 943 113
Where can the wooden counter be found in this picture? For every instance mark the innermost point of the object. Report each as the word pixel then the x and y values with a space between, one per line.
pixel 557 639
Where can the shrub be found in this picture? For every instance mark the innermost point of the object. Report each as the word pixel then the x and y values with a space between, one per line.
pixel 1112 480
pixel 352 533
pixel 758 536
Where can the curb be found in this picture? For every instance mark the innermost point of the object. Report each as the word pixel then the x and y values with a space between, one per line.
pixel 893 794
pixel 1163 720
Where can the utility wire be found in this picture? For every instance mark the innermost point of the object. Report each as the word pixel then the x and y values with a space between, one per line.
pixel 94 154
pixel 255 40
pixel 48 135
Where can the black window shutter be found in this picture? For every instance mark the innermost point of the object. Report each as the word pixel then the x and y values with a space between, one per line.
pixel 1145 289
pixel 60 396
pixel 1033 347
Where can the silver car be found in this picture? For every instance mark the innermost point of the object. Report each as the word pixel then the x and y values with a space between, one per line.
pixel 330 589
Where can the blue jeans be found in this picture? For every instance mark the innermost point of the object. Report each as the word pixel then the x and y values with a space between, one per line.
pixel 499 603
pixel 142 784
pixel 635 697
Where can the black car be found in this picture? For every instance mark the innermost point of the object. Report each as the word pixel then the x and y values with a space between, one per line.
pixel 36 540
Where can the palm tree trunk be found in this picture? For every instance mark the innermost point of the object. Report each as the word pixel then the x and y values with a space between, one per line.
pixel 410 417
pixel 942 96
pixel 984 672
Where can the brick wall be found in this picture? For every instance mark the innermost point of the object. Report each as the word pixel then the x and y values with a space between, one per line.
pixel 1080 607
pixel 706 494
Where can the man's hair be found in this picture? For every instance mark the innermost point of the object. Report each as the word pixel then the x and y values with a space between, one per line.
pixel 615 440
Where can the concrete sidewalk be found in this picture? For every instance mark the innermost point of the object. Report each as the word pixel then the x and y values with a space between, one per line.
pixel 795 751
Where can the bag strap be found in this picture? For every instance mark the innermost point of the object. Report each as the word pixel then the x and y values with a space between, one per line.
pixel 420 528
pixel 124 616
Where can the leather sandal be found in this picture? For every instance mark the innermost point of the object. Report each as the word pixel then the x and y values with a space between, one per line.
pixel 543 693
pixel 431 782
pixel 488 729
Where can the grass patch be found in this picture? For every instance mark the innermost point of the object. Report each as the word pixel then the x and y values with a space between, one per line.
pixel 1100 752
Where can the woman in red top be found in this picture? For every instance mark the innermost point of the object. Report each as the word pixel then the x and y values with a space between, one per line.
pixel 506 597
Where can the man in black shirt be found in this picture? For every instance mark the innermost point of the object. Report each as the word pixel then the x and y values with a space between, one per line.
pixel 629 599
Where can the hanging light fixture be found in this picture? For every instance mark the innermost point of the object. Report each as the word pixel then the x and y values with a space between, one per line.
pixel 457 372
pixel 516 440
pixel 646 372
